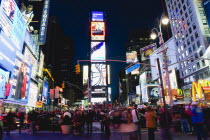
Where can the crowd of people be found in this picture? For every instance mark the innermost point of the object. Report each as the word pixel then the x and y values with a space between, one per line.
pixel 128 121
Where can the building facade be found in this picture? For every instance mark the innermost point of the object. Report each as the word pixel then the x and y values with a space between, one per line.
pixel 191 32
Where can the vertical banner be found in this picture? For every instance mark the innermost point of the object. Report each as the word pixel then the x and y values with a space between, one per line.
pixel 44 22
pixel 56 93
pixel 52 93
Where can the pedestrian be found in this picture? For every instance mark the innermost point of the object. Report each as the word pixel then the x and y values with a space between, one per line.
pixel 89 121
pixel 1 125
pixel 10 120
pixel 21 116
pixel 165 120
pixel 198 121
pixel 107 124
pixel 136 118
pixel 32 117
pixel 151 116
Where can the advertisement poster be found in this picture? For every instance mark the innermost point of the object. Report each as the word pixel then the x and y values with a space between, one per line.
pixel 45 94
pixel 4 80
pixel 144 88
pixel 21 78
pixel 85 75
pixel 98 74
pixel 33 93
pixel 131 57
pixel 41 64
pixel 97 31
pixel 98 51
pixel 12 22
pixel 97 16
pixel 147 51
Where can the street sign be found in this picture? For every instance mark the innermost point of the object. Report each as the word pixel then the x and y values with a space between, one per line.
pixel 130 69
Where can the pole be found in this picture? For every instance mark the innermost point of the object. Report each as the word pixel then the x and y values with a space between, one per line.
pixel 165 62
pixel 162 90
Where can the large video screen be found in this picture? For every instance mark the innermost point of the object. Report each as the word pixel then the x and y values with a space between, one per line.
pixel 97 30
pixel 98 51
pixel 4 79
pixel 12 23
pixel 131 57
pixel 98 74
pixel 97 16
pixel 143 83
pixel 21 78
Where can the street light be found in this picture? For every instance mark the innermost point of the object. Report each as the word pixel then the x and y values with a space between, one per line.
pixel 164 20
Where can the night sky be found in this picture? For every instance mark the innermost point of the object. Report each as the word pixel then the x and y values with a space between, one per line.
pixel 121 16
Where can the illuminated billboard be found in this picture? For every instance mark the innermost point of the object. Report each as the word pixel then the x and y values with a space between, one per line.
pixel 98 51
pixel 85 74
pixel 32 98
pixel 147 51
pixel 98 74
pixel 4 82
pixel 131 57
pixel 97 31
pixel 12 22
pixel 41 64
pixel 97 16
pixel 21 78
pixel 143 83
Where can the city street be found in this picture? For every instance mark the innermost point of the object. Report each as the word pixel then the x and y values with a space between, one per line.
pixel 97 135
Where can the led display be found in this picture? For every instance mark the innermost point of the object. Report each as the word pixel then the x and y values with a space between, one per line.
pixel 97 16
pixel 45 94
pixel 12 22
pixel 21 78
pixel 32 98
pixel 144 91
pixel 98 74
pixel 85 74
pixel 4 77
pixel 97 30
pixel 131 57
pixel 98 51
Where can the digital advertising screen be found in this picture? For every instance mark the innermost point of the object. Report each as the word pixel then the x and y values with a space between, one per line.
pixel 98 74
pixel 143 83
pixel 147 51
pixel 21 78
pixel 97 31
pixel 45 90
pixel 29 57
pixel 85 74
pixel 131 57
pixel 33 93
pixel 41 64
pixel 4 79
pixel 98 51
pixel 7 52
pixel 97 16
pixel 12 23
pixel 30 42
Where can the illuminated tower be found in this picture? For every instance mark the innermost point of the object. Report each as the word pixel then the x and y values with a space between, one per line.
pixel 98 66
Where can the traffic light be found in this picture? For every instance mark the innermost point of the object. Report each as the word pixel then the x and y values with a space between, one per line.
pixel 77 69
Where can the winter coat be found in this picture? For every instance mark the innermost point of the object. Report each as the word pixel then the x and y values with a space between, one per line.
pixel 151 119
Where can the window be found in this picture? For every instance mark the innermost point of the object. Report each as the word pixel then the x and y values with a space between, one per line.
pixel 188 42
pixel 188 22
pixel 181 12
pixel 186 34
pixel 196 55
pixel 178 50
pixel 185 45
pixel 184 7
pixel 201 53
pixel 208 39
pixel 190 50
pixel 198 65
pixel 182 48
pixel 186 53
pixel 194 26
pixel 186 15
pixel 190 10
pixel 194 47
pixel 192 18
pixel 192 38
pixel 188 3
pixel 206 30
pixel 196 34
pixel 203 63
pixel 198 44
pixel 183 55
pixel 194 67
pixel 190 30
pixel 202 13
pixel 204 21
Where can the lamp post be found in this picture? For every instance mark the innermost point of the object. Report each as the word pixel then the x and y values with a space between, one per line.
pixel 153 35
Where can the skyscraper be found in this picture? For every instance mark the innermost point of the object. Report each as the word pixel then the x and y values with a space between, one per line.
pixel 191 32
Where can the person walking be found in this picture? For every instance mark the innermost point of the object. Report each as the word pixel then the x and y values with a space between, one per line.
pixel 151 116
pixel 198 121
pixel 165 120
pixel 89 121
pixel 32 116
pixel 136 117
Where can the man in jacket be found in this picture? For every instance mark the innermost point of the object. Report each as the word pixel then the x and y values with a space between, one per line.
pixel 151 116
